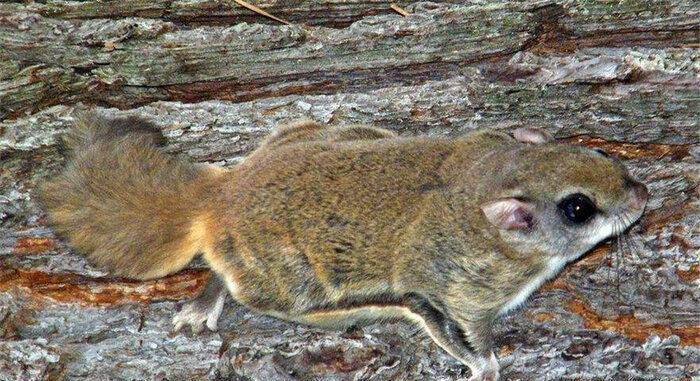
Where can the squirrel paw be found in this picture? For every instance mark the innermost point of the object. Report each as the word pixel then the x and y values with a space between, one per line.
pixel 197 316
pixel 488 371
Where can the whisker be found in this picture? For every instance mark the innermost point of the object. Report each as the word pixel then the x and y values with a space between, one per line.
pixel 619 255
pixel 615 254
pixel 622 255
pixel 638 250
pixel 634 249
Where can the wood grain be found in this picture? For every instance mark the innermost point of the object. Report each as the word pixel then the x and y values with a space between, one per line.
pixel 623 76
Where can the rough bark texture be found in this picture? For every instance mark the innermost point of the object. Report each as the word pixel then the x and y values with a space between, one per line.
pixel 620 75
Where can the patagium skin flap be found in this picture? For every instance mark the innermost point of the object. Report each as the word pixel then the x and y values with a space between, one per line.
pixel 335 226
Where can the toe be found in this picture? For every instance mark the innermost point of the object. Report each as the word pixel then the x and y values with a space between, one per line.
pixel 197 327
pixel 212 323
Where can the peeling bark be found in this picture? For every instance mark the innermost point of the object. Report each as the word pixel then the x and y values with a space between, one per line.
pixel 132 61
pixel 621 76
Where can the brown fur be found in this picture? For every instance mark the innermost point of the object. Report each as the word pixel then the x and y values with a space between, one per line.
pixel 131 208
pixel 333 226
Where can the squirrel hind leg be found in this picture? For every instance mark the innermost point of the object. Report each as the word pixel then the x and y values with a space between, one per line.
pixel 299 131
pixel 205 309
pixel 307 131
pixel 91 127
pixel 359 132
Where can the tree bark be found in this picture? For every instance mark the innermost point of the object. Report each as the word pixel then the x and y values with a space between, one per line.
pixel 622 76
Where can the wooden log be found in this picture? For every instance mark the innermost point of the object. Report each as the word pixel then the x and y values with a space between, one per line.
pixel 601 302
pixel 128 62
pixel 621 76
pixel 334 14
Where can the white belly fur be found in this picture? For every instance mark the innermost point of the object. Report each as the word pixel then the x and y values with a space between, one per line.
pixel 553 268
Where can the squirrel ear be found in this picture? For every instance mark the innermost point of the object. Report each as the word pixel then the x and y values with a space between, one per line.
pixel 532 135
pixel 509 214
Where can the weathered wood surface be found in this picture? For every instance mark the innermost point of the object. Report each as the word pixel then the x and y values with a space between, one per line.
pixel 624 76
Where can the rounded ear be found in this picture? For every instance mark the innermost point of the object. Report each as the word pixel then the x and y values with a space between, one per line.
pixel 532 135
pixel 509 214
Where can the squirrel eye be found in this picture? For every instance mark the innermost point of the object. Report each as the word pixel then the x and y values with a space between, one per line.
pixel 577 208
pixel 602 152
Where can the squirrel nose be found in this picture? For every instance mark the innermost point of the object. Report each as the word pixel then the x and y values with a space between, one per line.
pixel 639 196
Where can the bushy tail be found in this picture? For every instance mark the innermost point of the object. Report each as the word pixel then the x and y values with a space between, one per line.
pixel 123 202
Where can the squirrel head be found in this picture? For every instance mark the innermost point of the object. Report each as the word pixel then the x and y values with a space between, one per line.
pixel 560 200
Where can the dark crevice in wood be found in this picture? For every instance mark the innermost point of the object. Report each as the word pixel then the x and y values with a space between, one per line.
pixel 549 36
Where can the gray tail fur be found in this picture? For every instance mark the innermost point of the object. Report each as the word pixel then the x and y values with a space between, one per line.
pixel 123 202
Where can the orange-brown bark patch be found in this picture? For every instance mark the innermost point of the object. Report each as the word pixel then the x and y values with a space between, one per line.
pixel 557 284
pixel 631 327
pixel 333 360
pixel 73 288
pixel 661 217
pixel 541 317
pixel 689 276
pixel 679 239
pixel 34 245
pixel 592 260
pixel 505 351
pixel 633 150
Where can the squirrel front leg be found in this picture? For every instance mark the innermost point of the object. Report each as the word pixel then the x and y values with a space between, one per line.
pixel 468 342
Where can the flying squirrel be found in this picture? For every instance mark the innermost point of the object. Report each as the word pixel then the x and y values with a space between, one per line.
pixel 337 226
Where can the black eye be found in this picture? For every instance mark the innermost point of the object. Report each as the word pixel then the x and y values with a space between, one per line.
pixel 577 208
pixel 600 151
